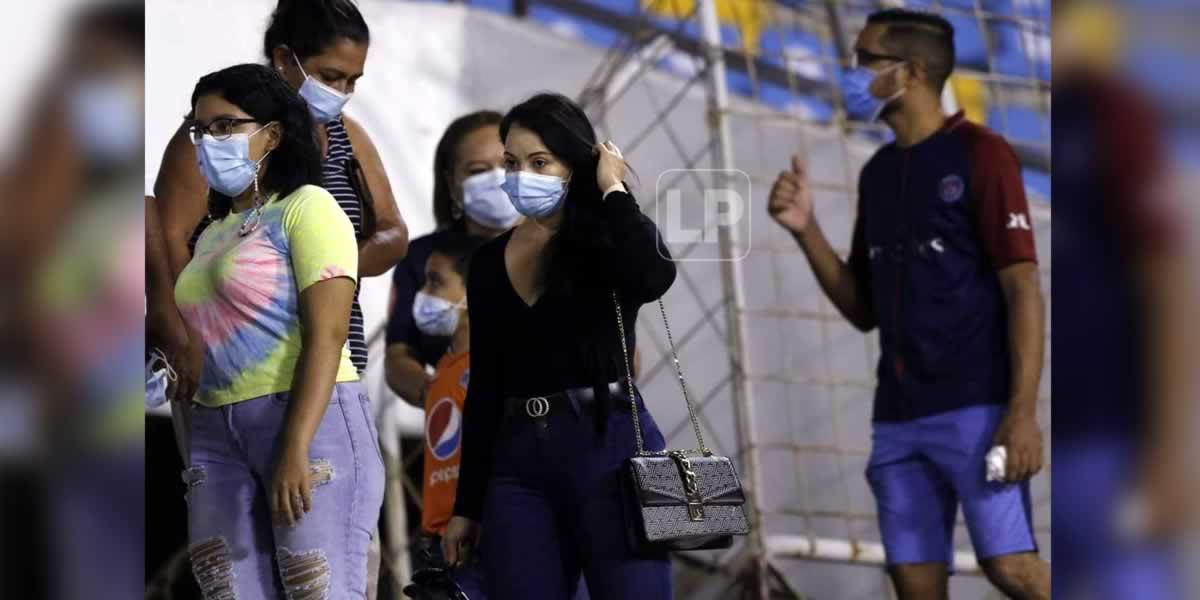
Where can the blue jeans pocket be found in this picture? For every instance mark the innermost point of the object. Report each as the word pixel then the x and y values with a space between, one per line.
pixel 365 404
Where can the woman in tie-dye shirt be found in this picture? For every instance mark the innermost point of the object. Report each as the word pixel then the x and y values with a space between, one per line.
pixel 284 472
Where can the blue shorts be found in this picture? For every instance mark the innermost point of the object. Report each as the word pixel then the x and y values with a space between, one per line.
pixel 921 470
pixel 1094 560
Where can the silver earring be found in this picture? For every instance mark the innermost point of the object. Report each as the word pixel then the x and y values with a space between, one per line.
pixel 252 221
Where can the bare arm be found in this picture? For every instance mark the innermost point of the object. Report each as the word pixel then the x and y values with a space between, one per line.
pixel 158 274
pixel 1019 432
pixel 404 369
pixel 1165 480
pixel 165 327
pixel 405 374
pixel 40 190
pixel 324 325
pixel 182 195
pixel 836 278
pixel 1026 326
pixel 791 205
pixel 389 244
pixel 1167 293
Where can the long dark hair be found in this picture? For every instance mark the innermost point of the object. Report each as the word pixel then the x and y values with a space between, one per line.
pixel 256 89
pixel 308 27
pixel 446 156
pixel 583 237
pixel 576 267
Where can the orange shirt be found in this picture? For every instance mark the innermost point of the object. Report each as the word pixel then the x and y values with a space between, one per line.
pixel 443 440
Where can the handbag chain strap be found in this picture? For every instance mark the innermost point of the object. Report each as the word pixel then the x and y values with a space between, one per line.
pixel 637 424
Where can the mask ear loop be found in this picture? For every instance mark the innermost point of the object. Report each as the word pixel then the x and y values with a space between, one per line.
pixel 157 356
pixel 297 61
pixel 318 82
pixel 251 223
pixel 886 101
pixel 461 304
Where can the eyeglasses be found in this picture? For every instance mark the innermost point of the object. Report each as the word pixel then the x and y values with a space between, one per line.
pixel 220 129
pixel 865 58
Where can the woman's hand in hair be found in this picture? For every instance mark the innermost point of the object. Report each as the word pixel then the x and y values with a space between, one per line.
pixel 610 169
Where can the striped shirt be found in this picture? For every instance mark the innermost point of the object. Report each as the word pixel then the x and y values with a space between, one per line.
pixel 335 178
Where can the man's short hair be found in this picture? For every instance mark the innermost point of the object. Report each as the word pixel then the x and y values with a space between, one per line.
pixel 919 35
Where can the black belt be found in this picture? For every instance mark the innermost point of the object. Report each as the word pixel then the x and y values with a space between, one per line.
pixel 578 400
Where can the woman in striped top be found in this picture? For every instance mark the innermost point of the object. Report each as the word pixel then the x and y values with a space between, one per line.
pixel 319 47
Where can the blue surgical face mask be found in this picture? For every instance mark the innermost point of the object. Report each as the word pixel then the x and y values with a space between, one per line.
pixel 486 203
pixel 324 102
pixel 226 163
pixel 158 378
pixel 533 194
pixel 436 316
pixel 856 90
pixel 106 117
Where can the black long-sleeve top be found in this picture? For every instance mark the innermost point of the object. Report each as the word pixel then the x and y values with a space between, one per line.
pixel 561 341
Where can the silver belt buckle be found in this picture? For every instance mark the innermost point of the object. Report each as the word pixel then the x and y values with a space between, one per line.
pixel 537 406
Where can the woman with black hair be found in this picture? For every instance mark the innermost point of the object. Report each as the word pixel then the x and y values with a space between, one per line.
pixel 468 168
pixel 320 48
pixel 547 422
pixel 285 478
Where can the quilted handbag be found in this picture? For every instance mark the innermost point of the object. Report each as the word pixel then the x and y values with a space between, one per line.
pixel 678 499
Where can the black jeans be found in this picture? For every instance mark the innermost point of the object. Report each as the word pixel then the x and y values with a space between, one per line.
pixel 553 510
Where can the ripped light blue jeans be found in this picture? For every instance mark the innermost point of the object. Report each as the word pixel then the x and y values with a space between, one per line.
pixel 237 551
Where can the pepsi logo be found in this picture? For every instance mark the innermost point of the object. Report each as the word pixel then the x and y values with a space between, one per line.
pixel 446 475
pixel 443 429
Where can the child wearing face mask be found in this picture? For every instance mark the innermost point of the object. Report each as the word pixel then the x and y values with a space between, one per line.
pixel 468 171
pixel 440 310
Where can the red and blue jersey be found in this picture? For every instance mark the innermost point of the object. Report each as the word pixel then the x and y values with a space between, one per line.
pixel 936 221
pixel 1111 216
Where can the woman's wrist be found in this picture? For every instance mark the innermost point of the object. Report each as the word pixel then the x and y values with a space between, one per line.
pixel 616 187
pixel 295 443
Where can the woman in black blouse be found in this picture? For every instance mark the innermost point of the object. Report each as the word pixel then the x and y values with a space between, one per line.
pixel 541 477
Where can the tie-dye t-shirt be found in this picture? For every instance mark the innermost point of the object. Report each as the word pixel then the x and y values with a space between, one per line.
pixel 242 294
